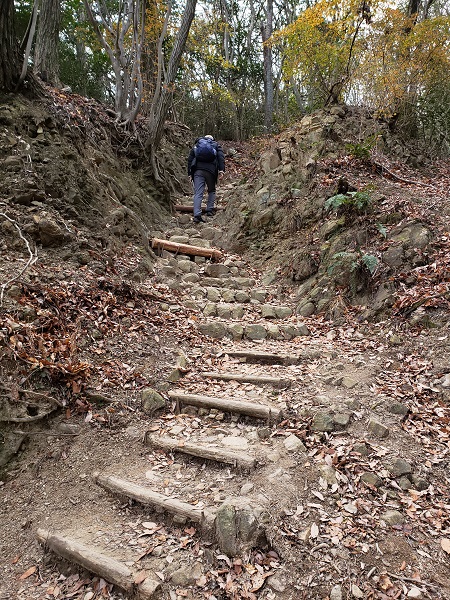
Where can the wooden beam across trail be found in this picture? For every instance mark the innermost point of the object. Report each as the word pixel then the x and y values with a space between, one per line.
pixel 185 208
pixel 148 497
pixel 264 357
pixel 277 382
pixel 237 459
pixel 259 411
pixel 110 569
pixel 159 245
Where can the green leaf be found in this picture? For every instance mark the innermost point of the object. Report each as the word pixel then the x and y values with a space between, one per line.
pixel 370 262
pixel 382 229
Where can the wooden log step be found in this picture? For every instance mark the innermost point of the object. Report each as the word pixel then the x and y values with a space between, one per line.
pixel 272 358
pixel 278 382
pixel 260 411
pixel 229 457
pixel 110 569
pixel 148 497
pixel 186 208
pixel 159 245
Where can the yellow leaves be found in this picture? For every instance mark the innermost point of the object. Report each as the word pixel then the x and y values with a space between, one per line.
pixel 322 42
pixel 402 56
pixel 383 57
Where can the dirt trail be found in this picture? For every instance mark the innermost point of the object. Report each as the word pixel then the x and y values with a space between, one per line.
pixel 291 459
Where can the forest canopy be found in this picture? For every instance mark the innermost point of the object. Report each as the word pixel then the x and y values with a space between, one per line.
pixel 247 67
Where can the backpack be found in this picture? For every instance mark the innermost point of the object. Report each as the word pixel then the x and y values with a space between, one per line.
pixel 205 150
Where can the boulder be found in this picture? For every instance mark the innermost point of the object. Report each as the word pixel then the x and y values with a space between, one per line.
pixel 50 232
pixel 237 528
pixel 255 332
pixel 270 160
pixel 152 401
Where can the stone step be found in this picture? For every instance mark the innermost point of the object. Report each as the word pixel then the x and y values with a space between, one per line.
pixel 188 239
pixel 110 569
pixel 148 497
pixel 277 382
pixel 259 411
pixel 234 310
pixel 220 455
pixel 256 331
pixel 218 293
pixel 234 283
pixel 224 525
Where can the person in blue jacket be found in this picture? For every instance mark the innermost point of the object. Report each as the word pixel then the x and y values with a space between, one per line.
pixel 206 165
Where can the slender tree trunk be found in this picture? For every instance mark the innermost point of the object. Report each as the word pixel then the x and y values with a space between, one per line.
pixel 80 50
pixel 46 58
pixel 10 63
pixel 266 31
pixel 162 104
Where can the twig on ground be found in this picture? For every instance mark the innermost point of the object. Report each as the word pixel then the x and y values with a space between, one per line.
pixel 417 582
pixel 26 419
pixel 19 432
pixel 384 169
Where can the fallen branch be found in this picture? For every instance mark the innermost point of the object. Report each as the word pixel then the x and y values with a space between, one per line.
pixel 417 582
pixel 32 259
pixel 382 169
pixel 160 245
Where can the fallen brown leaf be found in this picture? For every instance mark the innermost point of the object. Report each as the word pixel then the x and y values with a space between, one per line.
pixel 140 577
pixel 28 572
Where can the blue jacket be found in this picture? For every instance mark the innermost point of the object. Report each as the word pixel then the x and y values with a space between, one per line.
pixel 212 167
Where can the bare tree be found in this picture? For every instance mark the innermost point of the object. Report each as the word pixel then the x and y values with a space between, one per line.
pixel 46 58
pixel 121 35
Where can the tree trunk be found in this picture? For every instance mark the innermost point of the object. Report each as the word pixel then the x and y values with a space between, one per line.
pixel 266 31
pixel 10 63
pixel 161 104
pixel 46 59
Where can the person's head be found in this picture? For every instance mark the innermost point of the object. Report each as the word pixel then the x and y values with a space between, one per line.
pixel 209 137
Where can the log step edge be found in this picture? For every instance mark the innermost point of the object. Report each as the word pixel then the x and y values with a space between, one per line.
pixel 110 569
pixel 148 497
pixel 252 409
pixel 222 455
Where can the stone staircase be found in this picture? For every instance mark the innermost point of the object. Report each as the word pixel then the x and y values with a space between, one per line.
pixel 220 434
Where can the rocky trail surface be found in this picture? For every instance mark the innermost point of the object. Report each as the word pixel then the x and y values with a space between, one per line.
pixel 280 457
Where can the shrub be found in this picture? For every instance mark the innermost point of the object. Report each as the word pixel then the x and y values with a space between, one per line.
pixel 358 201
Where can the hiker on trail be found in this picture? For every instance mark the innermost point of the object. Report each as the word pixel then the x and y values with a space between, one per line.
pixel 206 164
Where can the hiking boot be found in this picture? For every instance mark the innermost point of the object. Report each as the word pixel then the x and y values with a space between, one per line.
pixel 199 220
pixel 210 213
